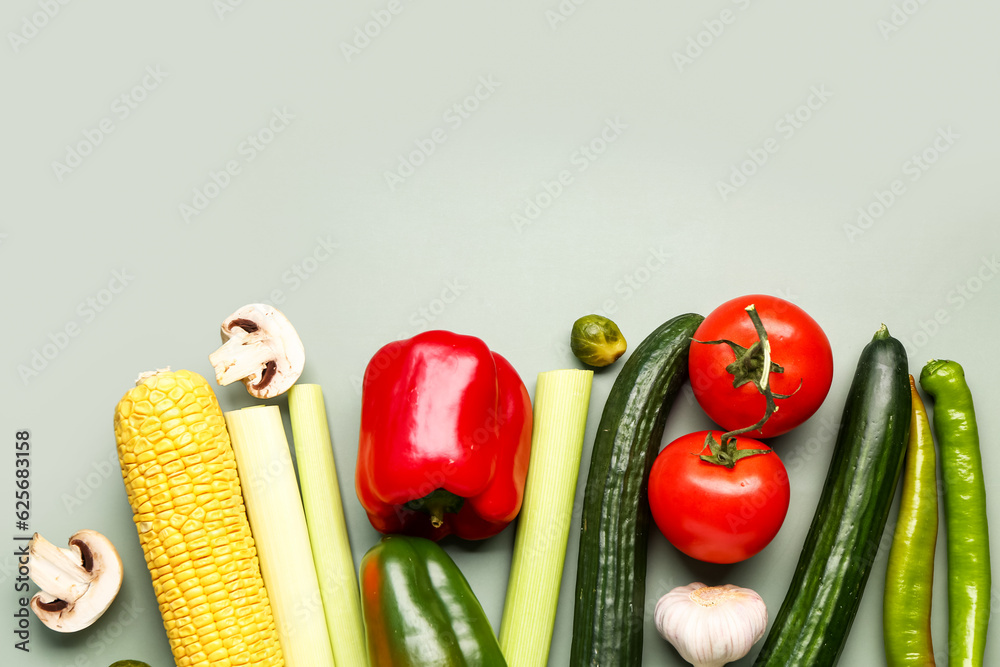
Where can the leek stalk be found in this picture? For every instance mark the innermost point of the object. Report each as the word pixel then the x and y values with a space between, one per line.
pixel 562 398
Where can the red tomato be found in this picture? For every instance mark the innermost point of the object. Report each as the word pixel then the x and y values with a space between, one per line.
pixel 798 345
pixel 714 513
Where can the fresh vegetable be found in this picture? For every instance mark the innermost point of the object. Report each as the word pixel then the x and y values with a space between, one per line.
pixel 814 620
pixel 261 348
pixel 711 625
pixel 445 438
pixel 909 579
pixel 419 609
pixel 331 548
pixel 716 512
pixel 129 663
pixel 596 341
pixel 727 361
pixel 611 571
pixel 77 584
pixel 276 515
pixel 560 418
pixel 180 475
pixel 969 577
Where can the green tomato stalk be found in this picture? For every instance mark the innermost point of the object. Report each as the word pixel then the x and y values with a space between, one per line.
pixel 753 364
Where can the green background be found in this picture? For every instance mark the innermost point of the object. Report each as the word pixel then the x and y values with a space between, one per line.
pixel 640 230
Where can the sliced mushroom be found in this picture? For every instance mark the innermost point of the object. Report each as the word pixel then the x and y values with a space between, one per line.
pixel 77 584
pixel 260 347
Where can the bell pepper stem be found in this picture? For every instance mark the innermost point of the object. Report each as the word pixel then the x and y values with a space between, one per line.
pixel 436 504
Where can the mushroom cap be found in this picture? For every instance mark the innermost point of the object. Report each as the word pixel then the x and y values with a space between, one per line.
pixel 77 584
pixel 261 348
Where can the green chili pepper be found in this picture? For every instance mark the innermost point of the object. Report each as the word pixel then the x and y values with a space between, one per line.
pixel 965 511
pixel 906 605
pixel 419 610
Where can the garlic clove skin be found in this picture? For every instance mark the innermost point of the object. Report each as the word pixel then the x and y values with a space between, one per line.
pixel 711 625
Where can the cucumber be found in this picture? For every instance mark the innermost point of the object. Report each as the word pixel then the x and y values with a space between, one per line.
pixel 812 625
pixel 611 571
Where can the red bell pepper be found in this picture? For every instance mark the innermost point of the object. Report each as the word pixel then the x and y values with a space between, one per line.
pixel 445 438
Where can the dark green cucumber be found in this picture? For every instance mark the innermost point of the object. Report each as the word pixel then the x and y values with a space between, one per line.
pixel 611 572
pixel 812 625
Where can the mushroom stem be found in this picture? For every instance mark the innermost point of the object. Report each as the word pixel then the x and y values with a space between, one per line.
pixel 238 358
pixel 261 348
pixel 77 584
pixel 58 572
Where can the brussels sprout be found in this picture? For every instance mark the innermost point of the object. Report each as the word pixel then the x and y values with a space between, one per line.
pixel 129 663
pixel 596 341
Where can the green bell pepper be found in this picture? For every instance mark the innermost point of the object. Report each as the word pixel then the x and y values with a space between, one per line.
pixel 419 610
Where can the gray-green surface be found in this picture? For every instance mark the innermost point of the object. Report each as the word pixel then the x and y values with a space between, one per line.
pixel 488 168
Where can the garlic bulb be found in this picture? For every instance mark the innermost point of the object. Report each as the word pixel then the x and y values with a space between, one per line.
pixel 711 625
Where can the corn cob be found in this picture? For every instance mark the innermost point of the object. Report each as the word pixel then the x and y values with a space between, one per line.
pixel 181 478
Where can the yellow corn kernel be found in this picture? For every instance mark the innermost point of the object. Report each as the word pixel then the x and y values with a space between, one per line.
pixel 179 471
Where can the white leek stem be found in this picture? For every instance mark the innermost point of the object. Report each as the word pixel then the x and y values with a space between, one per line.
pixel 278 524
